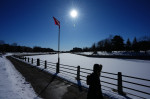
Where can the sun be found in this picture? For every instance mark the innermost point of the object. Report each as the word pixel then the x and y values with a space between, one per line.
pixel 73 13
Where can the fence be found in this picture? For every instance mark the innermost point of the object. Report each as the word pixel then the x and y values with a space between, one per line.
pixel 80 74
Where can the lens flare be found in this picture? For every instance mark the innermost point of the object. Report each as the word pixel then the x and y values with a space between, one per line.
pixel 73 13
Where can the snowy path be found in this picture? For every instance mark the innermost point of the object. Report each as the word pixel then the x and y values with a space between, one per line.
pixel 12 84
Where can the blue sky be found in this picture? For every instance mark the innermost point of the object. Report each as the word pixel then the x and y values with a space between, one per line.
pixel 30 22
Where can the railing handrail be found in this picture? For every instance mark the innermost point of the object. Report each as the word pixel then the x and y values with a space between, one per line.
pixel 135 95
pixel 109 83
pixel 51 67
pixel 109 73
pixel 137 90
pixel 136 78
pixel 109 77
pixel 68 68
pixel 51 62
pixel 68 65
pixel 67 72
pixel 86 69
pixel 85 72
pixel 136 83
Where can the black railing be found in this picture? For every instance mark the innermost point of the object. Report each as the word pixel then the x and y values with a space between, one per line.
pixel 79 73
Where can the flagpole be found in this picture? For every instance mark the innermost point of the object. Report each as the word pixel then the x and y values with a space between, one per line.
pixel 58 46
pixel 58 23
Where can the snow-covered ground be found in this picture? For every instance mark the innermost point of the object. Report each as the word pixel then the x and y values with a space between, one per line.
pixel 130 67
pixel 124 53
pixel 12 84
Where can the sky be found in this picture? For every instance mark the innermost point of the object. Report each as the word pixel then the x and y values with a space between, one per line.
pixel 30 22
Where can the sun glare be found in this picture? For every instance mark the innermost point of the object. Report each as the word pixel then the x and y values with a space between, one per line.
pixel 73 13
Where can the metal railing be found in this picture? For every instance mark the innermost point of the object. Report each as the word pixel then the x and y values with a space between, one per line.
pixel 80 74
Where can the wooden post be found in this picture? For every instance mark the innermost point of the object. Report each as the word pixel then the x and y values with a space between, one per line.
pixel 57 67
pixel 32 60
pixel 120 90
pixel 78 73
pixel 38 62
pixel 45 64
pixel 28 59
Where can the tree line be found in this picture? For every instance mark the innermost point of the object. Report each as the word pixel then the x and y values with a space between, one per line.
pixel 116 43
pixel 16 48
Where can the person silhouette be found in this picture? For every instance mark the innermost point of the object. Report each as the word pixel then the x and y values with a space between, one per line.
pixel 93 80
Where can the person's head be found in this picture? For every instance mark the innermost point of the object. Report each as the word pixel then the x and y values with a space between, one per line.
pixel 97 68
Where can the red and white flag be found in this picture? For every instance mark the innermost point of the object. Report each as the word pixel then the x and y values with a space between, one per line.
pixel 56 22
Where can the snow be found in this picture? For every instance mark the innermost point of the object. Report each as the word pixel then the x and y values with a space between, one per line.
pixel 130 67
pixel 12 84
pixel 125 53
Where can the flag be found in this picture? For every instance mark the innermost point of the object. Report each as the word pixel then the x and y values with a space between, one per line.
pixel 56 22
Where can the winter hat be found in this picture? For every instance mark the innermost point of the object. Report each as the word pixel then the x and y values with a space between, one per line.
pixel 97 67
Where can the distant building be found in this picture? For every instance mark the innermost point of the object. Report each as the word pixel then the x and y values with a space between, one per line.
pixel 76 49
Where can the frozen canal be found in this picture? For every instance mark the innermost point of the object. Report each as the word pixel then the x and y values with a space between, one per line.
pixel 138 68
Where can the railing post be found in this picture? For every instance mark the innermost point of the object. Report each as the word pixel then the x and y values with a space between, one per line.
pixel 45 64
pixel 120 90
pixel 28 59
pixel 78 73
pixel 25 58
pixel 32 60
pixel 57 67
pixel 38 62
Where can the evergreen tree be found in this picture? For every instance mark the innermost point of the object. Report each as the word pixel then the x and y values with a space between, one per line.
pixel 94 49
pixel 117 43
pixel 135 46
pixel 128 45
pixel 107 46
pixel 85 49
pixel 144 46
pixel 101 45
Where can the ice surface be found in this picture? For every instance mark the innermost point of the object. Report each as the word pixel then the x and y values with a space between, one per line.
pixel 134 67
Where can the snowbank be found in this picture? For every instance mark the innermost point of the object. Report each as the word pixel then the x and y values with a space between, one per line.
pixel 12 84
